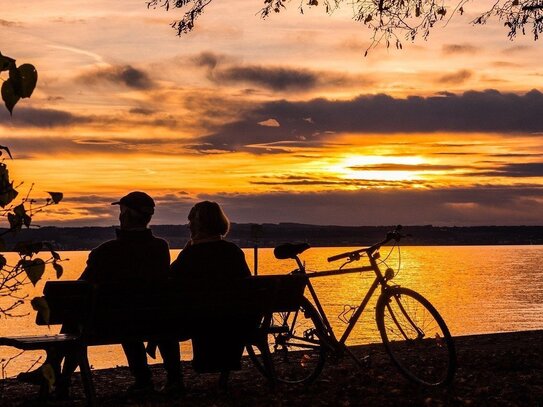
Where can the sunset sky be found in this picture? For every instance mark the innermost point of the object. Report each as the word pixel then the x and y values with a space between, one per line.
pixel 279 120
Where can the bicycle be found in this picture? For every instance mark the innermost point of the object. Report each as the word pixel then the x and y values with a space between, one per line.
pixel 413 332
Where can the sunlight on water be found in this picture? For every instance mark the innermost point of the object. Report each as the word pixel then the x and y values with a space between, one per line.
pixel 477 289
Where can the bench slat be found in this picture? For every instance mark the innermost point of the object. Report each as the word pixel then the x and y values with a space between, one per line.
pixel 38 342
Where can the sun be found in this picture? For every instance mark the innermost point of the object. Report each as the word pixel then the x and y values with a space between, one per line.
pixel 357 167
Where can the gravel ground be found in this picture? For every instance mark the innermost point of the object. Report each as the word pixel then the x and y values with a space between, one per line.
pixel 503 369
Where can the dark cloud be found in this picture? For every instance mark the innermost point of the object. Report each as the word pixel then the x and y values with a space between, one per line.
pixel 31 117
pixel 451 49
pixel 142 111
pixel 517 170
pixel 332 181
pixel 278 78
pixel 506 64
pixel 7 23
pixel 472 111
pixel 125 75
pixel 516 155
pixel 456 77
pixel 484 205
pixel 208 59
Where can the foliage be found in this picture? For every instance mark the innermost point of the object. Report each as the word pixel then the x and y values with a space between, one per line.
pixel 389 20
pixel 20 83
pixel 28 269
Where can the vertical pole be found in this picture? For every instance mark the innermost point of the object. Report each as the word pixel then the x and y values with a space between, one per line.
pixel 256 232
pixel 256 258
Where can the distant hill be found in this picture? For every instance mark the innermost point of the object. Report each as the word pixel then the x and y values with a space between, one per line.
pixel 270 235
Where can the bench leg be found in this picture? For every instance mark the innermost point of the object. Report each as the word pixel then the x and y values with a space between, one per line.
pixel 268 362
pixel 86 376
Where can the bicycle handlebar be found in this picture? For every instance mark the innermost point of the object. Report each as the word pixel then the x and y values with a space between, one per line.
pixel 355 255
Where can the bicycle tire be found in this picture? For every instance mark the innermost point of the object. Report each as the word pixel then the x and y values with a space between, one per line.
pixel 416 337
pixel 294 342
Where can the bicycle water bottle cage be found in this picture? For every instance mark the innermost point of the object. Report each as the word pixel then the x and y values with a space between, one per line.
pixel 290 250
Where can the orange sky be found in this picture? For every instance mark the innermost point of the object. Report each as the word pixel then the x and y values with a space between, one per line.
pixel 281 120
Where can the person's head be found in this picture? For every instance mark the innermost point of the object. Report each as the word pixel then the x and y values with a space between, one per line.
pixel 208 219
pixel 137 209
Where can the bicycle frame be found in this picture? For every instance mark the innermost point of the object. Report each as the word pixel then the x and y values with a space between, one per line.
pixel 380 280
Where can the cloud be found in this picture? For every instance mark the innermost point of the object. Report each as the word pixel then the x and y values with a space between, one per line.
pixel 125 75
pixel 223 70
pixel 208 59
pixel 481 205
pixel 7 23
pixel 404 167
pixel 269 123
pixel 453 49
pixel 484 205
pixel 277 79
pixel 142 111
pixel 517 170
pixel 472 111
pixel 32 117
pixel 456 77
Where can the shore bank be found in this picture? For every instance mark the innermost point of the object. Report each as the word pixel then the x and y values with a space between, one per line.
pixel 504 369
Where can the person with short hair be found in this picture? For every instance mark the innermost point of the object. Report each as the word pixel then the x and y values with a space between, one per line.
pixel 134 256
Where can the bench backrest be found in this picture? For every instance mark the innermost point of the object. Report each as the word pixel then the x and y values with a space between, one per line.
pixel 109 313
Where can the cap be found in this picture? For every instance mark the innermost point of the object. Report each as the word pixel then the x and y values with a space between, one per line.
pixel 138 201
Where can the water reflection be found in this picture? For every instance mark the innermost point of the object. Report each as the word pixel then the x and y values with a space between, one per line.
pixel 477 289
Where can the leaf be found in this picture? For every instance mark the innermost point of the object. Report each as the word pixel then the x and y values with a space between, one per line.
pixel 58 268
pixel 40 304
pixel 28 248
pixel 27 220
pixel 9 96
pixel 29 78
pixel 6 149
pixel 49 375
pixel 6 62
pixel 56 197
pixel 34 269
pixel 15 222
pixel 19 210
pixel 16 78
pixel 55 255
pixel 3 261
pixel 7 192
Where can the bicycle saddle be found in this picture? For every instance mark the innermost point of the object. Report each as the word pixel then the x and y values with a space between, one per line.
pixel 290 250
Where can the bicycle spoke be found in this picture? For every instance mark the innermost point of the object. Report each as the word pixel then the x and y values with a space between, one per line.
pixel 416 337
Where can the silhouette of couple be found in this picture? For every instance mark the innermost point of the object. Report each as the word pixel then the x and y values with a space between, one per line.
pixel 137 255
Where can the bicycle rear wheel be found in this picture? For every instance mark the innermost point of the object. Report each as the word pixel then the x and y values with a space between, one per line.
pixel 416 337
pixel 296 350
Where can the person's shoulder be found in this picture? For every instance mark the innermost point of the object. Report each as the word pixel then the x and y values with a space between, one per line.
pixel 106 246
pixel 229 243
pixel 160 242
pixel 230 246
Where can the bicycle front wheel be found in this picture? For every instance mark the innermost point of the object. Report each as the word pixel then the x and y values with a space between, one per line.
pixel 416 337
pixel 296 350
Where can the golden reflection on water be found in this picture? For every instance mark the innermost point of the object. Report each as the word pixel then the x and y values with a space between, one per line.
pixel 477 289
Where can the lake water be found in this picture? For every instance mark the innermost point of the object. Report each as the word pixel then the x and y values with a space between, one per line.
pixel 477 289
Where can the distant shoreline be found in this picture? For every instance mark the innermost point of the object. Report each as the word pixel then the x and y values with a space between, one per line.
pixel 270 235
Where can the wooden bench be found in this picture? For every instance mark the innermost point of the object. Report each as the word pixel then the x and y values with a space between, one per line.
pixel 116 313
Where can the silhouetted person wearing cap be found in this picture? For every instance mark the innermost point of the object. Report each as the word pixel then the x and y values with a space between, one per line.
pixel 135 256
